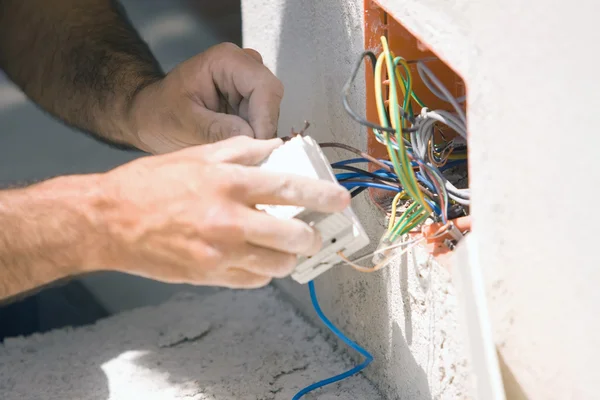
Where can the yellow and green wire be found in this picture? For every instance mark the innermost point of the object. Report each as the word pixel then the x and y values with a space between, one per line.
pixel 419 210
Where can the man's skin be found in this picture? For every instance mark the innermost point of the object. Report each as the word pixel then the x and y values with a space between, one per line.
pixel 185 214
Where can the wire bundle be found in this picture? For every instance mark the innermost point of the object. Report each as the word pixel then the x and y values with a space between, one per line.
pixel 413 172
pixel 417 161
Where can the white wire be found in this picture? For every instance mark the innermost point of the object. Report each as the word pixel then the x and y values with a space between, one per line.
pixel 426 74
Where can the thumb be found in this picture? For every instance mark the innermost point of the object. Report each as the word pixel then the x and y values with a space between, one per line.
pixel 239 150
pixel 216 126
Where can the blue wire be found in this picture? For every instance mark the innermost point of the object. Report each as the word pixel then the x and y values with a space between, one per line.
pixel 449 164
pixel 344 338
pixel 351 185
pixel 350 175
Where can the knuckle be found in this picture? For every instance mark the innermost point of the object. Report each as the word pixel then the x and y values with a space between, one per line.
pixel 213 257
pixel 233 180
pixel 226 47
pixel 288 189
pixel 303 234
pixel 254 54
pixel 221 221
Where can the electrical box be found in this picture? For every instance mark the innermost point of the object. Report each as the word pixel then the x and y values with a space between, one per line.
pixel 378 22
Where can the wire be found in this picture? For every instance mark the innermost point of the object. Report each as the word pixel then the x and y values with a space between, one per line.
pixel 399 158
pixel 352 185
pixel 341 336
pixel 346 93
pixel 411 244
pixel 374 175
pixel 357 191
pixel 393 212
pixel 354 150
pixel 427 76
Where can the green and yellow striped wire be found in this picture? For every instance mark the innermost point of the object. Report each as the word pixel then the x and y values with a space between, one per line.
pixel 419 210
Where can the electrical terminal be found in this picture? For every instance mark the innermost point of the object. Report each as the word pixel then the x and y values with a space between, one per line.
pixel 383 250
pixel 448 234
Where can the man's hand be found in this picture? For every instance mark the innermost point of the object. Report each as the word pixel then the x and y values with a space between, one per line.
pixel 190 216
pixel 223 92
pixel 82 61
pixel 187 216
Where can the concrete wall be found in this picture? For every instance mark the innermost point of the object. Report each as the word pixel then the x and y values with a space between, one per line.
pixel 406 314
pixel 531 163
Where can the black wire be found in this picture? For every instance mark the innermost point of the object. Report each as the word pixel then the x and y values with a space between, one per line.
pixel 357 191
pixel 353 114
pixel 367 173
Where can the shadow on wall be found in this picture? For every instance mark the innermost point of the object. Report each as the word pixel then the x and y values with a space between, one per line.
pixel 318 45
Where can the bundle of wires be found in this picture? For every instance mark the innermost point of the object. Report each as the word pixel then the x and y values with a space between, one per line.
pixel 417 161
pixel 414 169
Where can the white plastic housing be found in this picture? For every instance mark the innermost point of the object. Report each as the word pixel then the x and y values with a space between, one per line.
pixel 340 231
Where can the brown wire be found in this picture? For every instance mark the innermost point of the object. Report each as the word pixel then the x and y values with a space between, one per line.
pixel 357 152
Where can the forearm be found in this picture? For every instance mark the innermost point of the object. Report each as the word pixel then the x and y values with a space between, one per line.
pixel 47 233
pixel 80 60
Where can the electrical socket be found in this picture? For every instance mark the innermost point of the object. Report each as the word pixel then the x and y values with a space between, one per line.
pixel 339 231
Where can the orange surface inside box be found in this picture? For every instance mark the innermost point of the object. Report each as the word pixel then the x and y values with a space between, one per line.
pixel 402 43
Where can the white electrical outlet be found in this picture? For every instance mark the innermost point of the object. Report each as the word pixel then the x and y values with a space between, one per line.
pixel 340 231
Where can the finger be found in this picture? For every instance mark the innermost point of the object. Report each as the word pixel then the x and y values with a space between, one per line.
pixel 216 126
pixel 236 71
pixel 254 54
pixel 263 108
pixel 263 261
pixel 238 150
pixel 237 278
pixel 265 187
pixel 290 236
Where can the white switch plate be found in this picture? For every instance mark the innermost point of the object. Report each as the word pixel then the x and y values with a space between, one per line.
pixel 340 231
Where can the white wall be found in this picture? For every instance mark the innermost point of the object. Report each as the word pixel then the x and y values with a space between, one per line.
pixel 530 68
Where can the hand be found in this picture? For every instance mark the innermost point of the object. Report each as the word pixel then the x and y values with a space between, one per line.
pixel 225 91
pixel 190 216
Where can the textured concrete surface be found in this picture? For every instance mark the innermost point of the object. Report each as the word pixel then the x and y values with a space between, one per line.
pixel 523 62
pixel 406 314
pixel 242 345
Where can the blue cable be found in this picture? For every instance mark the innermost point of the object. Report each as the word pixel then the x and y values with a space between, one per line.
pixel 350 175
pixel 351 185
pixel 449 164
pixel 344 338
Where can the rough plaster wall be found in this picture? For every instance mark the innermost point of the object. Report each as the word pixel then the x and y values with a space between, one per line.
pixel 536 240
pixel 405 315
pixel 243 345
